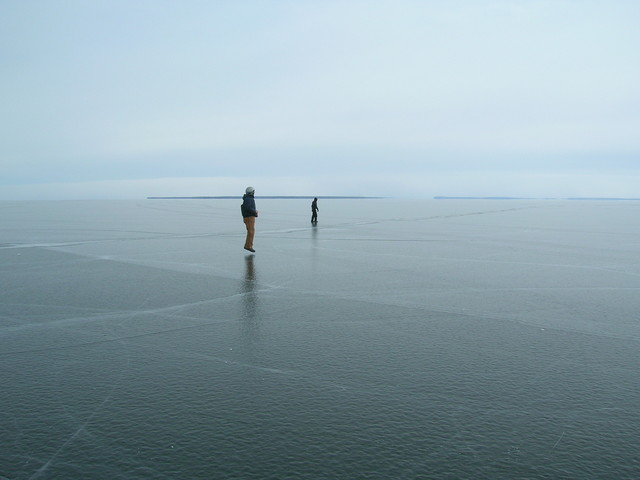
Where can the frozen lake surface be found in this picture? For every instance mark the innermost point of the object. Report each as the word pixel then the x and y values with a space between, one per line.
pixel 394 340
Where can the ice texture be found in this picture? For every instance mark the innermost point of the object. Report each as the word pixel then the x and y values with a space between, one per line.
pixel 396 339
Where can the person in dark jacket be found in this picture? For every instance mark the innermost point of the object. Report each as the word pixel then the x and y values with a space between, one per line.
pixel 249 214
pixel 314 211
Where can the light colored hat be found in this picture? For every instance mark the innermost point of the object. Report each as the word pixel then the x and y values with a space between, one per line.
pixel 249 190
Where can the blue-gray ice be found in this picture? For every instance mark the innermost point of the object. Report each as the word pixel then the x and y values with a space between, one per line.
pixel 394 340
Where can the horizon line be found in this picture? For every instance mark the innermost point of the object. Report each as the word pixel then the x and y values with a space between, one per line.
pixel 286 197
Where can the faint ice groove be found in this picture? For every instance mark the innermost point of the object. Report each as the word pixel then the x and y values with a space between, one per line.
pixel 204 356
pixel 276 371
pixel 123 314
pixel 436 217
pixel 527 289
pixel 489 316
pixel 118 339
pixel 44 467
pixel 82 427
pixel 75 243
pixel 363 239
pixel 202 268
pixel 111 340
pixel 54 244
pixel 387 220
pixel 165 311
pixel 538 264
pixel 56 307
pixel 556 444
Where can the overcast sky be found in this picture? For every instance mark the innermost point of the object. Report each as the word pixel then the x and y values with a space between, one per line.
pixel 128 99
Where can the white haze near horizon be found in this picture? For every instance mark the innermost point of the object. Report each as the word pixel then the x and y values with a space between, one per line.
pixel 386 98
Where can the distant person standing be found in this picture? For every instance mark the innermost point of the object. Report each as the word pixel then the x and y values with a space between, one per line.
pixel 249 214
pixel 314 211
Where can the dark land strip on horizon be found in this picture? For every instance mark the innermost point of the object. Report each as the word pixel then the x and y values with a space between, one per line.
pixel 341 197
pixel 262 197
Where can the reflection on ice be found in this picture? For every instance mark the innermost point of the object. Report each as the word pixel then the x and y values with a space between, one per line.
pixel 249 319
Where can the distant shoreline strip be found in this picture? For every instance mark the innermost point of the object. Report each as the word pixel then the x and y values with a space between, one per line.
pixel 337 197
pixel 267 197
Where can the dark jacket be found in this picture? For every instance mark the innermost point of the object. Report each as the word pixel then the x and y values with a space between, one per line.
pixel 248 206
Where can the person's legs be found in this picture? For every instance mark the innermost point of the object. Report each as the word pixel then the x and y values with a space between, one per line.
pixel 314 217
pixel 250 223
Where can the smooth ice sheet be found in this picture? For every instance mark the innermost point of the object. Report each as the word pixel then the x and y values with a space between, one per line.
pixel 395 339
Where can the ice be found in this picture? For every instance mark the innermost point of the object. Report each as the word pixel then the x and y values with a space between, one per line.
pixel 395 339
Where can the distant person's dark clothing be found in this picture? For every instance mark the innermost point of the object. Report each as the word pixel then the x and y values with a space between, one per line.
pixel 314 211
pixel 249 214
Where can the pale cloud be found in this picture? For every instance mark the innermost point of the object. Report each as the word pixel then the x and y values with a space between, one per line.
pixel 126 91
pixel 481 183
